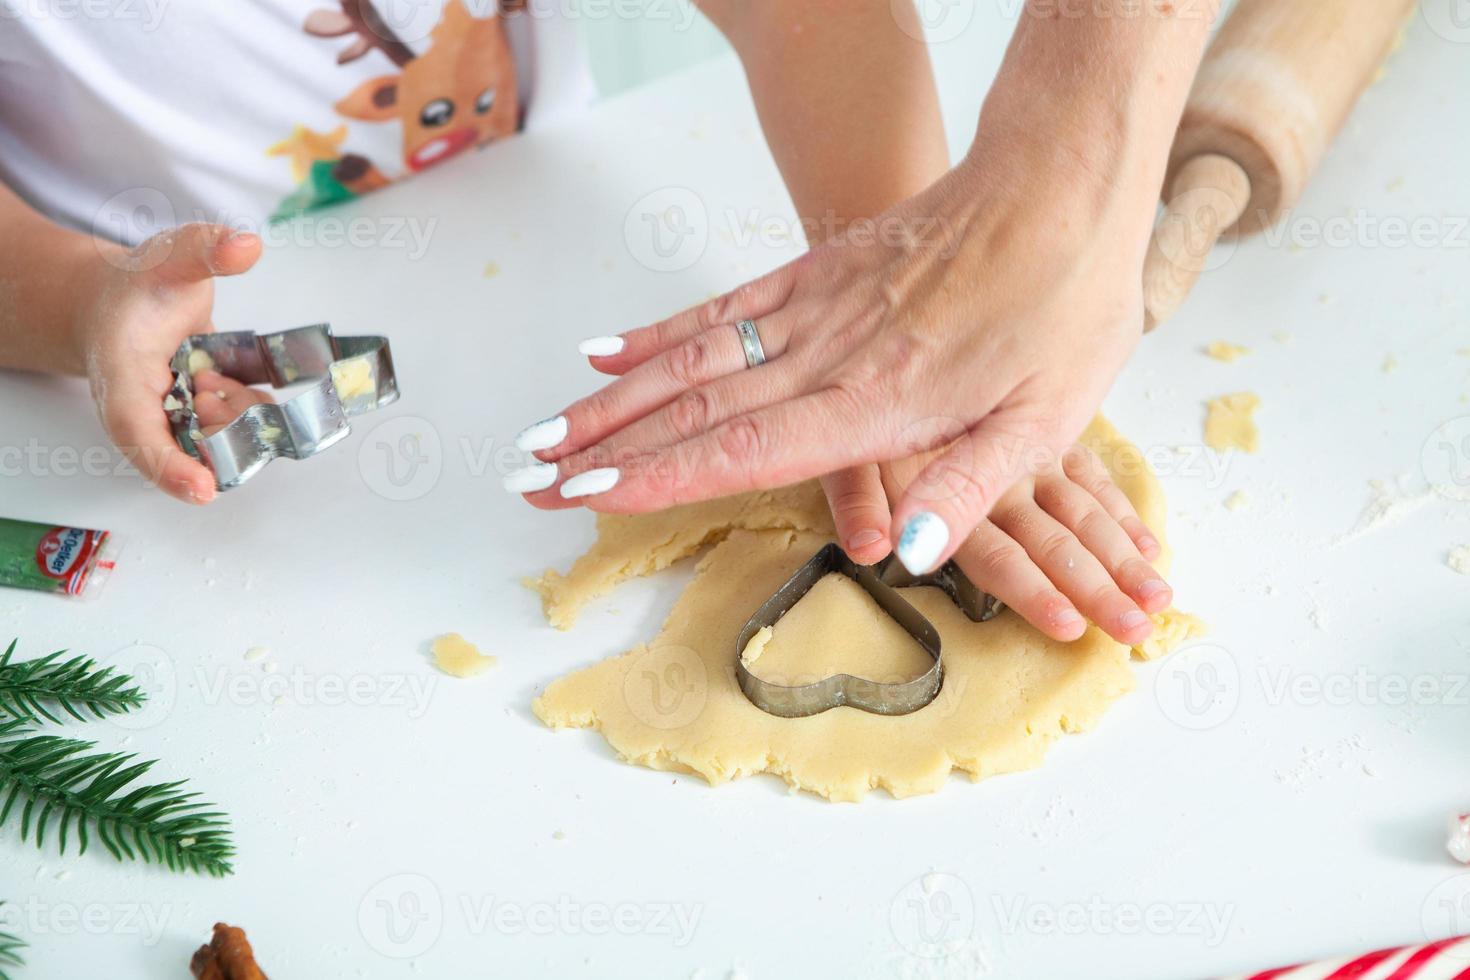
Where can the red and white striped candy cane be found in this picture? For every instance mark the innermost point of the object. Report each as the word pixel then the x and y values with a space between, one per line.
pixel 1446 959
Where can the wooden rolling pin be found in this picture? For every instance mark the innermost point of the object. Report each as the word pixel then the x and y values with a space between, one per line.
pixel 1275 86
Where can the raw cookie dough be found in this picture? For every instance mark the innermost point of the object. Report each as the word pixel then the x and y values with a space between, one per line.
pixel 458 657
pixel 353 378
pixel 836 628
pixel 674 704
pixel 1222 350
pixel 1230 422
pixel 1172 628
pixel 199 360
pixel 631 547
pixel 1459 559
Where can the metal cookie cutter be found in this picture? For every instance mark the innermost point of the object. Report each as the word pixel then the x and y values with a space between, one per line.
pixel 352 375
pixel 976 605
pixel 881 582
pixel 839 689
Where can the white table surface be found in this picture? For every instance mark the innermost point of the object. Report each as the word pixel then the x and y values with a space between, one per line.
pixel 433 827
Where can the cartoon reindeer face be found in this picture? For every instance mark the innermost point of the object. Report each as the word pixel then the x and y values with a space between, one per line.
pixel 458 94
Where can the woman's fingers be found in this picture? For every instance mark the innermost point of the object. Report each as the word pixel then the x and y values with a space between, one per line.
pixel 688 416
pixel 1084 468
pixel 860 512
pixel 955 491
pixel 620 353
pixel 1100 533
pixel 703 358
pixel 996 564
pixel 772 447
pixel 1074 570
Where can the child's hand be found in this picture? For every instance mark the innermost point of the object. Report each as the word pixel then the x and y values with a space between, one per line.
pixel 141 305
pixel 1060 546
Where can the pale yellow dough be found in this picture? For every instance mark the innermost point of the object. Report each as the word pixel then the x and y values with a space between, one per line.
pixel 1223 350
pixel 1230 422
pixel 352 378
pixel 458 657
pixel 199 360
pixel 631 547
pixel 673 704
pixel 837 628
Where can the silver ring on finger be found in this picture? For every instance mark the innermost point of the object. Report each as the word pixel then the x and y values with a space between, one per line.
pixel 750 343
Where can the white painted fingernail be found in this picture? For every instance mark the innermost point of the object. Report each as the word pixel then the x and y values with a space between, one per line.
pixel 542 435
pixel 530 478
pixel 922 541
pixel 601 346
pixel 591 482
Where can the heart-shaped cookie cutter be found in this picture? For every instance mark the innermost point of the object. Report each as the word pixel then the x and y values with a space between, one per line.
pixel 976 605
pixel 351 375
pixel 802 700
pixel 881 582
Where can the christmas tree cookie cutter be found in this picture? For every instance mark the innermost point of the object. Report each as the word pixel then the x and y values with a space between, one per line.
pixel 881 582
pixel 347 377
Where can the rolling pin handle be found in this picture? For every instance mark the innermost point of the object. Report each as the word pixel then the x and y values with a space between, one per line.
pixel 1206 199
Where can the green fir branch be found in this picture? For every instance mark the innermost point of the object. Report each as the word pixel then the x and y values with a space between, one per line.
pixel 10 948
pixel 48 781
pixel 74 686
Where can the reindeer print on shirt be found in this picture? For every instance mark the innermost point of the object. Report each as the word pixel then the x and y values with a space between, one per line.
pixel 460 92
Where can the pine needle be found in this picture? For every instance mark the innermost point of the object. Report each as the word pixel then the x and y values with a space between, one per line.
pixel 10 947
pixel 48 782
pixel 32 689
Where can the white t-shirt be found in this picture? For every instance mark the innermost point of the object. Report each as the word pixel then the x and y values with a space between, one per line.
pixel 123 117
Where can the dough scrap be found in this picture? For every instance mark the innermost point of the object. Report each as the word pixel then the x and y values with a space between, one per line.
pixel 674 704
pixel 1459 559
pixel 458 657
pixel 352 378
pixel 1230 422
pixel 199 360
pixel 1222 350
pixel 633 546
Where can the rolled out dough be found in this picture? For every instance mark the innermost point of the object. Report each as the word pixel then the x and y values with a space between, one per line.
pixel 631 547
pixel 674 704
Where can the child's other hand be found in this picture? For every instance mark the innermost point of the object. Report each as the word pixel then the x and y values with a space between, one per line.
pixel 140 306
pixel 1058 547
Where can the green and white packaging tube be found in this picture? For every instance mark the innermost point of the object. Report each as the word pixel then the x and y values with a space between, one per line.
pixel 72 561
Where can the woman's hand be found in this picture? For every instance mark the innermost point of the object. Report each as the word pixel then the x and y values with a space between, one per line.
pixel 136 306
pixel 987 316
